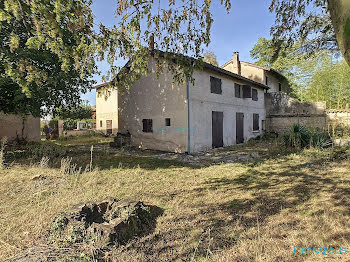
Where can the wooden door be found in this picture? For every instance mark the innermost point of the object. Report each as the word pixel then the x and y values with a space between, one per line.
pixel 217 129
pixel 239 128
pixel 109 129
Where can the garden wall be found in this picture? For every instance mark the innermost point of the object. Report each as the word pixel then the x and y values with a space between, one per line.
pixel 282 111
pixel 12 125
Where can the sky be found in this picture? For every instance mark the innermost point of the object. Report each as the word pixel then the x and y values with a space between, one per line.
pixel 239 30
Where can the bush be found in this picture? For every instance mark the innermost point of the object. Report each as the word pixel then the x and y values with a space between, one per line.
pixel 70 124
pixel 300 137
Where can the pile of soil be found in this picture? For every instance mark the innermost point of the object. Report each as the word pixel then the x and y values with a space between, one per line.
pixel 110 222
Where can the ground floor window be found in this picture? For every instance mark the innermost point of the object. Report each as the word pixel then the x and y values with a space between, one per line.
pixel 147 125
pixel 255 122
pixel 167 122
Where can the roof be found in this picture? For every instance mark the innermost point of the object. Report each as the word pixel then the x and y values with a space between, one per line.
pixel 205 66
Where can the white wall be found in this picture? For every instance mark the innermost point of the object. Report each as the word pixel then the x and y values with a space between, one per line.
pixel 156 99
pixel 203 102
pixel 106 109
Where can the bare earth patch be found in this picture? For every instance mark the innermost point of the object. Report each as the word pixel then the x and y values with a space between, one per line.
pixel 255 209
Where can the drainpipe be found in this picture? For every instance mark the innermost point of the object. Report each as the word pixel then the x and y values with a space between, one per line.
pixel 188 117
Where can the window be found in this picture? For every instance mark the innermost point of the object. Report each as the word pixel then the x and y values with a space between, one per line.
pixel 167 121
pixel 247 91
pixel 238 90
pixel 255 122
pixel 215 85
pixel 266 80
pixel 279 87
pixel 100 123
pixel 147 125
pixel 254 94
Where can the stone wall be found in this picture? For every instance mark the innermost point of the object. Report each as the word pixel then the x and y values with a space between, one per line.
pixel 282 111
pixel 11 126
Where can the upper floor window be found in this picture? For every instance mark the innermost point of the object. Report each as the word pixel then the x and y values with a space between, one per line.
pixel 247 91
pixel 279 87
pixel 254 94
pixel 215 85
pixel 147 125
pixel 237 90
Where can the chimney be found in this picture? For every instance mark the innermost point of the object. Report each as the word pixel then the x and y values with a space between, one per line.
pixel 236 64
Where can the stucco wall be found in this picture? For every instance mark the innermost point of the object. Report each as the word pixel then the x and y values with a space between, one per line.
pixel 11 127
pixel 252 72
pixel 203 102
pixel 106 109
pixel 156 99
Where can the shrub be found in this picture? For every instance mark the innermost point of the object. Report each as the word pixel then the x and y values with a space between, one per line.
pixel 320 139
pixel 300 137
pixel 70 124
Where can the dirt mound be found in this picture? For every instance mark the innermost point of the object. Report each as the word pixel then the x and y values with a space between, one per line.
pixel 110 222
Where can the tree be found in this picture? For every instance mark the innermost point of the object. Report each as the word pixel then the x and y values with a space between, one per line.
pixel 46 54
pixel 210 57
pixel 319 77
pixel 50 47
pixel 77 112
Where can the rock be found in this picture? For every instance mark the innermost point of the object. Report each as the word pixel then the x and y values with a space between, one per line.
pixel 110 222
pixel 37 177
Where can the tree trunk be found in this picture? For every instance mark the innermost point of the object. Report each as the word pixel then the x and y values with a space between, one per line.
pixel 340 15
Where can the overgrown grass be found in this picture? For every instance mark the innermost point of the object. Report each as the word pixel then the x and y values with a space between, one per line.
pixel 90 138
pixel 227 212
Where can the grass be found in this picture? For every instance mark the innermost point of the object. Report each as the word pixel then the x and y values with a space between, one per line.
pixel 88 139
pixel 229 212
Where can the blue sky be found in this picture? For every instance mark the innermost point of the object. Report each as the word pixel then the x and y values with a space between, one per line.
pixel 237 31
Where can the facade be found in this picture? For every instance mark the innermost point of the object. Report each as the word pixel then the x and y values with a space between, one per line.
pixel 14 126
pixel 221 108
pixel 106 110
pixel 262 74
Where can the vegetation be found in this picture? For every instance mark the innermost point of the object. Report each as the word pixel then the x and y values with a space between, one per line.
pixel 210 57
pixel 306 22
pixel 248 210
pixel 300 137
pixel 76 112
pixel 319 77
pixel 47 54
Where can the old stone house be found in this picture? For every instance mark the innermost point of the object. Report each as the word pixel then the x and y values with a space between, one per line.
pixel 224 106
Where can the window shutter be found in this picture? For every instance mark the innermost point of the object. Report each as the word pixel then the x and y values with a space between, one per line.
pixel 215 85
pixel 247 91
pixel 254 94
pixel 237 90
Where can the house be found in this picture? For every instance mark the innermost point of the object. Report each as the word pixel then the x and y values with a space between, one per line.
pixel 15 126
pixel 262 74
pixel 221 108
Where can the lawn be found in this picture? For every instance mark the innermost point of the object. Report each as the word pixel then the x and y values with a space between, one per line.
pixel 256 210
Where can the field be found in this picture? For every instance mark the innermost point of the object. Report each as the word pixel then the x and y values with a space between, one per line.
pixel 256 209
